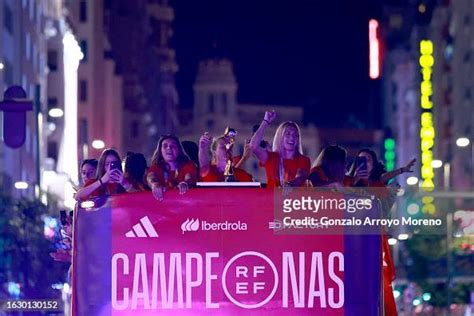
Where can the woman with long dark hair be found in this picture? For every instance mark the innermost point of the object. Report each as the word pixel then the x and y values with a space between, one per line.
pixel 88 170
pixel 135 168
pixel 170 168
pixel 329 168
pixel 375 173
pixel 285 164
pixel 109 178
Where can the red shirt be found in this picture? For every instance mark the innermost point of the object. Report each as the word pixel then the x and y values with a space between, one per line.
pixel 171 179
pixel 317 177
pixel 290 168
pixel 109 189
pixel 214 175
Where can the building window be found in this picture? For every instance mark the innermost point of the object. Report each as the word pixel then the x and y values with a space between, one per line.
pixel 224 103
pixel 7 18
pixel 34 56
pixel 210 124
pixel 467 57
pixel 27 46
pixel 33 14
pixel 134 130
pixel 83 90
pixel 53 150
pixel 467 94
pixel 39 11
pixel 83 131
pixel 84 50
pixel 24 82
pixel 83 11
pixel 31 9
pixel 8 71
pixel 52 60
pixel 52 103
pixel 467 20
pixel 211 103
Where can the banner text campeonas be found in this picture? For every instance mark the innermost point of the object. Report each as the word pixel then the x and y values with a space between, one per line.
pixel 167 279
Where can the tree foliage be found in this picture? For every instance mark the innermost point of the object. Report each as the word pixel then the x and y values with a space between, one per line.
pixel 24 250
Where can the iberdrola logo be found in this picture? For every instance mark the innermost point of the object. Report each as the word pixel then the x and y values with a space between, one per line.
pixel 190 225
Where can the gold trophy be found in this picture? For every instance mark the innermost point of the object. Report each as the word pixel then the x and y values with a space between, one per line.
pixel 229 134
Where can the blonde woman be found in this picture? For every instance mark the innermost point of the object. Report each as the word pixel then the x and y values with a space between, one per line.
pixel 285 164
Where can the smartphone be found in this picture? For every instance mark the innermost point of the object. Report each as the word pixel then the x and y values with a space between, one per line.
pixel 116 165
pixel 63 217
pixel 361 162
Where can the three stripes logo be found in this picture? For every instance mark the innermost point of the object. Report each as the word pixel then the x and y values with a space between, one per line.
pixel 143 229
pixel 190 225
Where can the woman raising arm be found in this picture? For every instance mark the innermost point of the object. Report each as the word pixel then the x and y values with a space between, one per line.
pixel 285 164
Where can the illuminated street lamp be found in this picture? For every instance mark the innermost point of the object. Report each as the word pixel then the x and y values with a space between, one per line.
pixel 2 66
pixel 462 142
pixel 56 112
pixel 412 180
pixel 436 163
pixel 403 237
pixel 21 185
pixel 98 144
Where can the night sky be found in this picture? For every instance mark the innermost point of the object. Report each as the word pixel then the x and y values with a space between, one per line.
pixel 311 53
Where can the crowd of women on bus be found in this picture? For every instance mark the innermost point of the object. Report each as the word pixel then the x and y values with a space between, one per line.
pixel 177 165
pixel 212 161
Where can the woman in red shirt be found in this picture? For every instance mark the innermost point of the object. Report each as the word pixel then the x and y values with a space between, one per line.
pixel 329 167
pixel 109 179
pixel 285 165
pixel 213 160
pixel 170 168
pixel 376 176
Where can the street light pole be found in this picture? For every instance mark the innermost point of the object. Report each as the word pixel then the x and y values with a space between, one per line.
pixel 449 233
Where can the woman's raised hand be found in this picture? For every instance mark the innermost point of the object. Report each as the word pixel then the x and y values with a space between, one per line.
pixel 116 176
pixel 360 173
pixel 107 177
pixel 408 167
pixel 205 141
pixel 269 116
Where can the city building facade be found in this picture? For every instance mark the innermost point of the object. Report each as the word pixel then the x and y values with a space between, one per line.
pixel 23 63
pixel 100 105
pixel 143 29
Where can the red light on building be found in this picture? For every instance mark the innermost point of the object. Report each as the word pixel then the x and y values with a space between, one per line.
pixel 374 50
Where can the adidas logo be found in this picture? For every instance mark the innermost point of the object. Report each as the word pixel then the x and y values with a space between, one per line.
pixel 146 229
pixel 190 225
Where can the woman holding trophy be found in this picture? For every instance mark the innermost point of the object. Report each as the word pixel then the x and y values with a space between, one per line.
pixel 216 161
